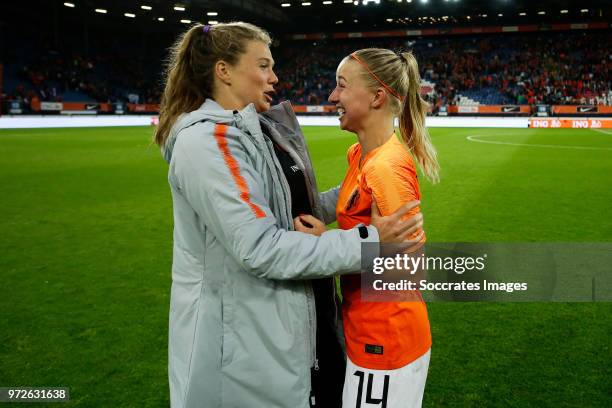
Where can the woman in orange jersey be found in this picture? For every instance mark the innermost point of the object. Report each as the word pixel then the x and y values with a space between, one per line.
pixel 387 343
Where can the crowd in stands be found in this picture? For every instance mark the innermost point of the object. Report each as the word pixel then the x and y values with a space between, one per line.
pixel 551 68
pixel 54 77
pixel 526 69
pixel 540 68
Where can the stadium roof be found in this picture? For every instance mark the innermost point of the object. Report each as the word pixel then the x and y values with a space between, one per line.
pixel 306 16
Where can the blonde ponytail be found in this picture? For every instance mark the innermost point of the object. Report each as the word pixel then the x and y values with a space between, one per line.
pixel 412 121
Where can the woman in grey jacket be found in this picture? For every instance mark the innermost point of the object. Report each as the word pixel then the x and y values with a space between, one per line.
pixel 242 317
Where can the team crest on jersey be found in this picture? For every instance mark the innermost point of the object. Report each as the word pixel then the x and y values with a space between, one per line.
pixel 352 199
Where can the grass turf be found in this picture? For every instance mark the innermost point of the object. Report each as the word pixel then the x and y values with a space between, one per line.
pixel 86 254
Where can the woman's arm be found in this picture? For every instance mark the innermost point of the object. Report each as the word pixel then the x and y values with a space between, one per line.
pixel 213 171
pixel 328 200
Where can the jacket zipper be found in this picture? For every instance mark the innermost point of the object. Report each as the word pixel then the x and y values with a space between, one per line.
pixel 312 321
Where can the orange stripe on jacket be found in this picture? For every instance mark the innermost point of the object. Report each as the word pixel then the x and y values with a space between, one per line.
pixel 232 165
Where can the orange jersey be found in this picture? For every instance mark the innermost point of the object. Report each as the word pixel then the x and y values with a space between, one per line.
pixel 402 329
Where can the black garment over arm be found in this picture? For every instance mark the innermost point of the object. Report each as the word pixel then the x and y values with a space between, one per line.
pixel 328 378
pixel 300 204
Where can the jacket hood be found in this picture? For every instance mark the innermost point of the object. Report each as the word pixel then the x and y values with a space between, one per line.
pixel 213 112
pixel 208 111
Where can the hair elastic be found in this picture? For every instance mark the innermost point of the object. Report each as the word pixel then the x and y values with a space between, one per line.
pixel 380 81
pixel 206 29
pixel 401 56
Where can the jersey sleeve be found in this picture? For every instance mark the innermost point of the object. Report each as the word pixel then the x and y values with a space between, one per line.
pixel 393 182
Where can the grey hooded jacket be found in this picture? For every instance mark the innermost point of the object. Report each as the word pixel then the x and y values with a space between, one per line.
pixel 242 317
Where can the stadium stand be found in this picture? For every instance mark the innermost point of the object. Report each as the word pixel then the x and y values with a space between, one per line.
pixel 525 69
pixel 59 77
pixel 552 68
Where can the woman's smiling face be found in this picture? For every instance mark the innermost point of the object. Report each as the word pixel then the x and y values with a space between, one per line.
pixel 351 96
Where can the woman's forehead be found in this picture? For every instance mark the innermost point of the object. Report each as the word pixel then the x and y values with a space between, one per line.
pixel 347 69
pixel 258 49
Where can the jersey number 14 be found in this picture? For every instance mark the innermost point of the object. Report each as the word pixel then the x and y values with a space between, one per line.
pixel 369 398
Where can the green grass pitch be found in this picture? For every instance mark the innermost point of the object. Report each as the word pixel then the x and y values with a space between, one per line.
pixel 86 243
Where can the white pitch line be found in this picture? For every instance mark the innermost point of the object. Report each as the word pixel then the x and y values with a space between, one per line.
pixel 473 139
pixel 605 132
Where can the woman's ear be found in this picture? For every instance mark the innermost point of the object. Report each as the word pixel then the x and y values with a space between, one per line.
pixel 223 72
pixel 380 95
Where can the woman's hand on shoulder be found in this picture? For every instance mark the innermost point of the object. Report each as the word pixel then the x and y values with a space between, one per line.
pixel 392 229
pixel 308 224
